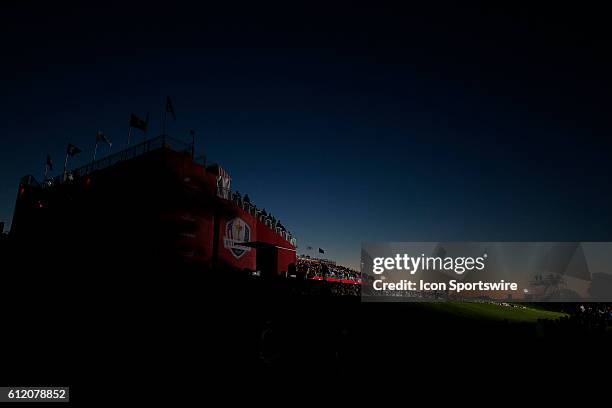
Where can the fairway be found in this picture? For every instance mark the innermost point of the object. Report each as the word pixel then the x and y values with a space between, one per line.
pixel 487 311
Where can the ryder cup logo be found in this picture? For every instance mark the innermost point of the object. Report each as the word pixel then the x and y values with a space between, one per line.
pixel 237 232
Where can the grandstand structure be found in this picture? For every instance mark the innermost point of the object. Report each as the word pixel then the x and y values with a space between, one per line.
pixel 150 205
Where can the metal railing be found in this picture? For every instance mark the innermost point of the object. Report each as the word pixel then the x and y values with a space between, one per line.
pixel 115 158
pixel 133 152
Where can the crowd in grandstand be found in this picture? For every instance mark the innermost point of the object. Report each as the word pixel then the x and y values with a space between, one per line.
pixel 581 318
pixel 594 313
pixel 261 214
pixel 344 289
pixel 313 268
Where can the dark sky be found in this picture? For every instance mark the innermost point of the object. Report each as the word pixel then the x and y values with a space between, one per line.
pixel 350 123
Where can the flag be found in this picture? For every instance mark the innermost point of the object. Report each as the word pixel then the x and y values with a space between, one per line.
pixel 138 123
pixel 321 251
pixel 49 163
pixel 309 248
pixel 170 107
pixel 72 150
pixel 191 132
pixel 101 137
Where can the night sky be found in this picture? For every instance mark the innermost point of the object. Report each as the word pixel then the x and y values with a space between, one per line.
pixel 348 123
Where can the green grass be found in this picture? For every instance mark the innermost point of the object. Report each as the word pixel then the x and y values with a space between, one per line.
pixel 486 311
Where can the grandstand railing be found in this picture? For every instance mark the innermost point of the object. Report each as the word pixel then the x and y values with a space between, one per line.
pixel 129 153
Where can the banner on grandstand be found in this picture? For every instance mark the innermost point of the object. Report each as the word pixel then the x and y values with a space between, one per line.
pixel 237 232
pixel 481 271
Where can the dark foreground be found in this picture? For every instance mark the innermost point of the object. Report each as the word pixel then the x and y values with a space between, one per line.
pixel 179 329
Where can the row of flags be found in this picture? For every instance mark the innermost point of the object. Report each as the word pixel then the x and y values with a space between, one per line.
pixel 71 151
pixel 321 250
pixel 135 123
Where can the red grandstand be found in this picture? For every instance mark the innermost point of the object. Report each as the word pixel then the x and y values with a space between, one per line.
pixel 153 201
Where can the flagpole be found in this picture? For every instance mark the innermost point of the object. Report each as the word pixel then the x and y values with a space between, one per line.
pixel 129 135
pixel 65 165
pixel 192 144
pixel 146 129
pixel 95 151
pixel 164 122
